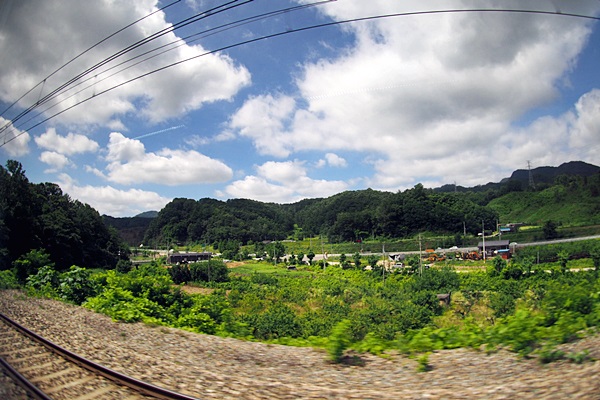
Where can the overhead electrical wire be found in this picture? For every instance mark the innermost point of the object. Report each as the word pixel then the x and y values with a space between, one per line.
pixel 196 17
pixel 86 51
pixel 185 40
pixel 297 30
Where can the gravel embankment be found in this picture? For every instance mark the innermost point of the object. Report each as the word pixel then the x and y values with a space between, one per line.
pixel 212 367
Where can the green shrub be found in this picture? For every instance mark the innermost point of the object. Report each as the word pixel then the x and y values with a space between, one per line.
pixel 122 305
pixel 8 280
pixel 423 363
pixel 521 331
pixel 549 355
pixel 339 340
pixel 76 286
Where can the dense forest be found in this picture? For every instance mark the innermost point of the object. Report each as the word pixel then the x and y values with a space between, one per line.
pixel 370 214
pixel 39 217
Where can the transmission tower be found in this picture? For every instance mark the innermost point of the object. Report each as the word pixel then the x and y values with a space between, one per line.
pixel 531 184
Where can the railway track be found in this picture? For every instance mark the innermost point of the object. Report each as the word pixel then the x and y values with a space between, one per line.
pixel 47 371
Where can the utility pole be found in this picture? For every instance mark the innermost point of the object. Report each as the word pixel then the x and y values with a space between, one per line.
pixel 483 237
pixel 383 265
pixel 420 257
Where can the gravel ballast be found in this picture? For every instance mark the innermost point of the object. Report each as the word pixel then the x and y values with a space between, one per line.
pixel 207 366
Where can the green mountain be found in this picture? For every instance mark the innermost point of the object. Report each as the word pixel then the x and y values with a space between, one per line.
pixel 568 194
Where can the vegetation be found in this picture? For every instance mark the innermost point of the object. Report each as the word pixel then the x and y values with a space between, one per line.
pixel 511 305
pixel 364 220
pixel 546 295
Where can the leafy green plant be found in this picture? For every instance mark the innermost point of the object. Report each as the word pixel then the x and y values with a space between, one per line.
pixel 580 357
pixel 75 285
pixel 339 340
pixel 8 280
pixel 549 354
pixel 423 363
pixel 44 282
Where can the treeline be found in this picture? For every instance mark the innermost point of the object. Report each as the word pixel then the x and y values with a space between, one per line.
pixel 371 214
pixel 348 216
pixel 40 217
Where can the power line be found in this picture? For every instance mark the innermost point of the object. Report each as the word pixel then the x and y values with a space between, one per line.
pixel 290 31
pixel 197 36
pixel 86 51
pixel 154 36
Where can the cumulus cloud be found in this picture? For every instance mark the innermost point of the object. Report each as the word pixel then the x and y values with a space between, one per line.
pixel 111 201
pixel 585 132
pixel 263 119
pixel 283 182
pixel 66 32
pixel 428 98
pixel 15 142
pixel 67 145
pixel 335 161
pixel 129 163
pixel 56 161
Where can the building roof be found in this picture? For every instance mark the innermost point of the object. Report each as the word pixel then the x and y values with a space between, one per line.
pixel 493 243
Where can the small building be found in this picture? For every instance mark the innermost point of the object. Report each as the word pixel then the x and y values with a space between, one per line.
pixel 399 257
pixel 444 299
pixel 184 258
pixel 494 248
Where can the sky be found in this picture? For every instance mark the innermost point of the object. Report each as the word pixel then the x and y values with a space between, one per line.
pixel 243 102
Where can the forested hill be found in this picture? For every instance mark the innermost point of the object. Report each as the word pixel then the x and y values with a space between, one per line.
pixel 347 216
pixel 357 215
pixel 40 218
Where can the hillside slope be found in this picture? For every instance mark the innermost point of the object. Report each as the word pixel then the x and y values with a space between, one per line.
pixel 557 203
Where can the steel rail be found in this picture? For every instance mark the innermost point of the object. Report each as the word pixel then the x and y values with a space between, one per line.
pixel 136 384
pixel 23 382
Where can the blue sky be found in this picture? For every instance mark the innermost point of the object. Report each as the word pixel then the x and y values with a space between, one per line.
pixel 462 97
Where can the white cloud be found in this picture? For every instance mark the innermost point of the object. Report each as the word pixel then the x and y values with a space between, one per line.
pixel 56 161
pixel 263 119
pixel 14 142
pixel 68 145
pixel 335 161
pixel 283 182
pixel 110 201
pixel 130 164
pixel 257 188
pixel 429 98
pixel 66 31
pixel 585 134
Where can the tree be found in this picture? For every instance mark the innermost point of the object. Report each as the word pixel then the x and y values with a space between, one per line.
pixel 497 266
pixel 30 263
pixel 595 255
pixel 550 230
pixel 563 259
pixel 310 256
pixel 356 258
pixel 276 250
pixel 344 261
pixel 372 260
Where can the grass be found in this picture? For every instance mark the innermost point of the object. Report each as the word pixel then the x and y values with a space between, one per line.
pixel 252 267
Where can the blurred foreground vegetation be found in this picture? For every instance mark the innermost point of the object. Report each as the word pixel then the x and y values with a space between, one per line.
pixel 524 306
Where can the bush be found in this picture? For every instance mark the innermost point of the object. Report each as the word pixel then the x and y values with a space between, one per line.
pixel 8 280
pixel 124 266
pixel 209 271
pixel 76 286
pixel 277 321
pixel 339 340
